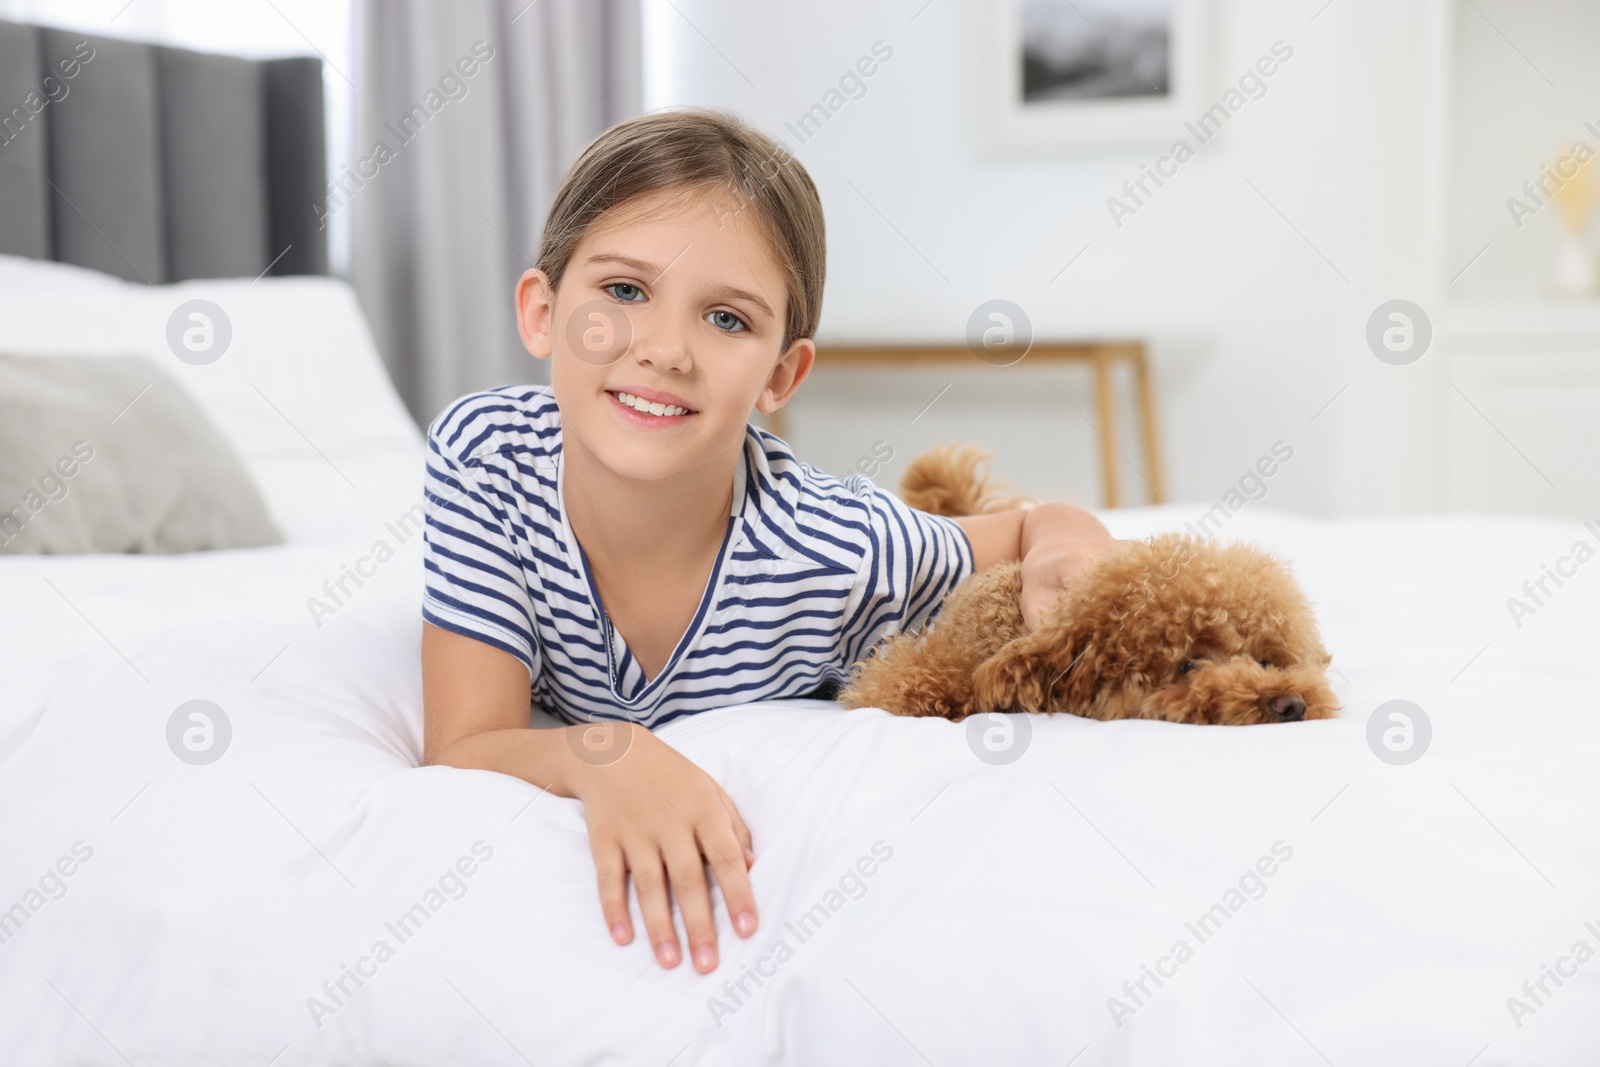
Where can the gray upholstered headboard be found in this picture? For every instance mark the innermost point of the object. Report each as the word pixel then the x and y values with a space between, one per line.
pixel 159 164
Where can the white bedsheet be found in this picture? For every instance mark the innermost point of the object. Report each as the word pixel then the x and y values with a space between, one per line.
pixel 1005 908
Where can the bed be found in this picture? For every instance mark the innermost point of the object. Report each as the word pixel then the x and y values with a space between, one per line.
pixel 919 903
pixel 278 882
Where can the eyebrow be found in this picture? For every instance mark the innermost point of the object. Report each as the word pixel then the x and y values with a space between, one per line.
pixel 726 292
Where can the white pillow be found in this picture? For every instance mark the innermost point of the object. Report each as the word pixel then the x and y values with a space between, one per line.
pixel 19 275
pixel 299 389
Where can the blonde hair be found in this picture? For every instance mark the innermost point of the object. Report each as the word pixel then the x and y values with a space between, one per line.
pixel 698 149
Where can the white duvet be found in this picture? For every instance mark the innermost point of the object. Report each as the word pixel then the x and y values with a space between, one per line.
pixel 1123 893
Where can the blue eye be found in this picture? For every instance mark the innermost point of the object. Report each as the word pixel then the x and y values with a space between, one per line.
pixel 727 320
pixel 626 292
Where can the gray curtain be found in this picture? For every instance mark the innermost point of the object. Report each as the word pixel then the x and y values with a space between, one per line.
pixel 467 114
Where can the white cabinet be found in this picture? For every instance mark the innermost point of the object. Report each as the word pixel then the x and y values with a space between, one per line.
pixel 1514 395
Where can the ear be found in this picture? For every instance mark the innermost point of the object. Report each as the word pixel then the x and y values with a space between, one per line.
pixel 1048 669
pixel 792 369
pixel 1305 643
pixel 536 301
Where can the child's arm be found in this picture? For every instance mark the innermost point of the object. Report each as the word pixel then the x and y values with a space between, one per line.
pixel 651 813
pixel 1055 542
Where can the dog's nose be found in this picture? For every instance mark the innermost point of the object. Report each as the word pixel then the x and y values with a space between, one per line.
pixel 1287 708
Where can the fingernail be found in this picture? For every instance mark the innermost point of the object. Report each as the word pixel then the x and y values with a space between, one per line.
pixel 705 958
pixel 619 933
pixel 745 923
pixel 667 953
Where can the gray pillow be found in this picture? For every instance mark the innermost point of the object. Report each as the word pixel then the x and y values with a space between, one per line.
pixel 110 454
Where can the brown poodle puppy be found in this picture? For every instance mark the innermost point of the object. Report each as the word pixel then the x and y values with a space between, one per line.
pixel 1170 627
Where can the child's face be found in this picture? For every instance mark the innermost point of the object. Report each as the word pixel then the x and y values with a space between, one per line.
pixel 675 297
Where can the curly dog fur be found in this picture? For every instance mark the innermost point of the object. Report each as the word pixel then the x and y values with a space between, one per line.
pixel 1170 627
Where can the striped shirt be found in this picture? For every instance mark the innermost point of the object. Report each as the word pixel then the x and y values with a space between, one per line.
pixel 812 572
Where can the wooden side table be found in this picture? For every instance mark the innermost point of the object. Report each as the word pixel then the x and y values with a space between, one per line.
pixel 1101 356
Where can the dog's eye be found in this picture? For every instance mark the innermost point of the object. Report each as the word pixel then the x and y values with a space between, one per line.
pixel 1186 666
pixel 1264 663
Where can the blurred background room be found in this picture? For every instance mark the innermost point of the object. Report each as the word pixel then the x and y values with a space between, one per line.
pixel 1235 192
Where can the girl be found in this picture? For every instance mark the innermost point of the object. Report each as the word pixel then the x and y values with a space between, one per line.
pixel 623 547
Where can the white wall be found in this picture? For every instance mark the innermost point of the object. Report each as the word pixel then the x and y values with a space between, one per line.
pixel 1241 309
pixel 1237 306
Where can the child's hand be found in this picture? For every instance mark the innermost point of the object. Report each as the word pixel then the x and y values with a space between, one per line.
pixel 656 815
pixel 1049 571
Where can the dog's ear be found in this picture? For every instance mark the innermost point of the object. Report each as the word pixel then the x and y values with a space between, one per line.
pixel 1304 643
pixel 1044 670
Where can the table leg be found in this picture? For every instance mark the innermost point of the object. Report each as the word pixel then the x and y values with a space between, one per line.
pixel 1108 429
pixel 1147 409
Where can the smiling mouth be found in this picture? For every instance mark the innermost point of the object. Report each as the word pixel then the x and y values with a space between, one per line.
pixel 649 407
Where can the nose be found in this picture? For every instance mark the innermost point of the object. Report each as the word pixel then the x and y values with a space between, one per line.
pixel 1287 708
pixel 662 345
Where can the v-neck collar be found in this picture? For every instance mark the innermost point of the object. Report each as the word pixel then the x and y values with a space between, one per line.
pixel 617 670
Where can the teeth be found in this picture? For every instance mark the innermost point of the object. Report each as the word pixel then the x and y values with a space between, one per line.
pixel 649 408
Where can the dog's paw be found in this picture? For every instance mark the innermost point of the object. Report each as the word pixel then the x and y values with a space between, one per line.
pixel 1007 683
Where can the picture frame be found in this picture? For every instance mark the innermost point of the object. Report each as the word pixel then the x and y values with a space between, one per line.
pixel 1049 76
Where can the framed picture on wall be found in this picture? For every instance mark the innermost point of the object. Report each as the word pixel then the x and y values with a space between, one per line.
pixel 1063 74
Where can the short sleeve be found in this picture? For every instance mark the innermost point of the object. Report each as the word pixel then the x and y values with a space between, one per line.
pixel 914 560
pixel 474 581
